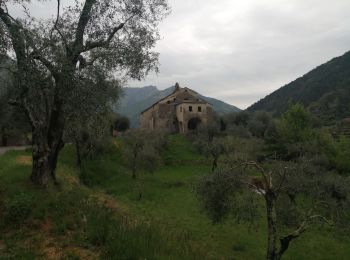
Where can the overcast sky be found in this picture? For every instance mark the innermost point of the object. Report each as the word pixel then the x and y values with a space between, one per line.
pixel 241 50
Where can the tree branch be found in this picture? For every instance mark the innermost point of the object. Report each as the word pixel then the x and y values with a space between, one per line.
pixel 283 178
pixel 36 55
pixel 55 27
pixel 82 23
pixel 84 63
pixel 285 241
pixel 260 169
pixel 15 34
pixel 103 43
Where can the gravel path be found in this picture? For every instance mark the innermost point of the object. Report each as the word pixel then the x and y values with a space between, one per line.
pixel 10 148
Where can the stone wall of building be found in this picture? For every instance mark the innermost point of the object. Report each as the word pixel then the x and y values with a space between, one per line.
pixel 174 112
pixel 202 111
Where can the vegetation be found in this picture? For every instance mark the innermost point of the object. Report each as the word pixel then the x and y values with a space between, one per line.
pixel 166 221
pixel 121 123
pixel 297 189
pixel 74 221
pixel 68 64
pixel 240 187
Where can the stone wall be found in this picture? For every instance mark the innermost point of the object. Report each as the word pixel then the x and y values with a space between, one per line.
pixel 173 112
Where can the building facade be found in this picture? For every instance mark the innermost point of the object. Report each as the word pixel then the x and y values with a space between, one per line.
pixel 181 111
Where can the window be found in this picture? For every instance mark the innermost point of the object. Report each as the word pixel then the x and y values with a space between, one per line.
pixel 190 108
pixel 168 102
pixel 180 109
pixel 199 109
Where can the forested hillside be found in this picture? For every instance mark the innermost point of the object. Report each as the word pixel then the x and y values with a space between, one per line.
pixel 324 90
pixel 135 100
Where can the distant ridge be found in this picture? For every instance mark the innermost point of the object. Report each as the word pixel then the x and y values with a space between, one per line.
pixel 136 100
pixel 325 91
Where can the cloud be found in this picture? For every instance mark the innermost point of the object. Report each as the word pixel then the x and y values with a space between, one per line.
pixel 239 51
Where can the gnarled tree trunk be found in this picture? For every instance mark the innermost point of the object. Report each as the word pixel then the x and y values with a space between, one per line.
pixel 41 152
pixel 270 200
pixel 44 158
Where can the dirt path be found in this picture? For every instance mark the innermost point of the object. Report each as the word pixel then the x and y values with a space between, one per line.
pixel 10 148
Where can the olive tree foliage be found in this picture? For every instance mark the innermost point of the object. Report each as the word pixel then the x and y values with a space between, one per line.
pixel 89 125
pixel 291 196
pixel 88 44
pixel 142 150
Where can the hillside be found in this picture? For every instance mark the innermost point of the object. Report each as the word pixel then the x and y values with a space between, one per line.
pixel 325 91
pixel 106 219
pixel 135 100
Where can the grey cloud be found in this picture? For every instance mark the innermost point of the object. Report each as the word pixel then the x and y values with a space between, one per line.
pixel 242 55
pixel 239 51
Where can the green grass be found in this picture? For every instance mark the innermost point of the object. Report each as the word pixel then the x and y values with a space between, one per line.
pixel 73 221
pixel 168 199
pixel 156 216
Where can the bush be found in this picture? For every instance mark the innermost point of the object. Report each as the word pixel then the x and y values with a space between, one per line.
pixel 121 123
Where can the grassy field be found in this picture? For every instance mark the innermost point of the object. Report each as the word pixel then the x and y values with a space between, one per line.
pixel 168 199
pixel 156 216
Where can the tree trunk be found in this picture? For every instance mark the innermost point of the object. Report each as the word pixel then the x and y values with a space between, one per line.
pixel 41 152
pixel 270 200
pixel 134 170
pixel 55 134
pixel 53 159
pixel 214 164
pixel 78 154
pixel 134 162
pixel 46 147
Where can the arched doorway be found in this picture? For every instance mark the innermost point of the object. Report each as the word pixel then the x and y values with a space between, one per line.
pixel 193 123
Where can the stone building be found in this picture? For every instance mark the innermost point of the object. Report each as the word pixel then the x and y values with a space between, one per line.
pixel 181 111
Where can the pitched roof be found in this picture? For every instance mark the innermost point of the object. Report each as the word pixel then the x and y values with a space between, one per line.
pixel 177 88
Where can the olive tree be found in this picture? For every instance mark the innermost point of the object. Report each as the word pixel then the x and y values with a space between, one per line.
pixel 90 43
pixel 291 196
pixel 142 150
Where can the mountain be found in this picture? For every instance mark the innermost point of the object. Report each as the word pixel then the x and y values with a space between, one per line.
pixel 135 100
pixel 325 91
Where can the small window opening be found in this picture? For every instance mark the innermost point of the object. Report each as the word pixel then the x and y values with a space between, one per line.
pixel 180 109
pixel 190 108
pixel 168 102
pixel 199 109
